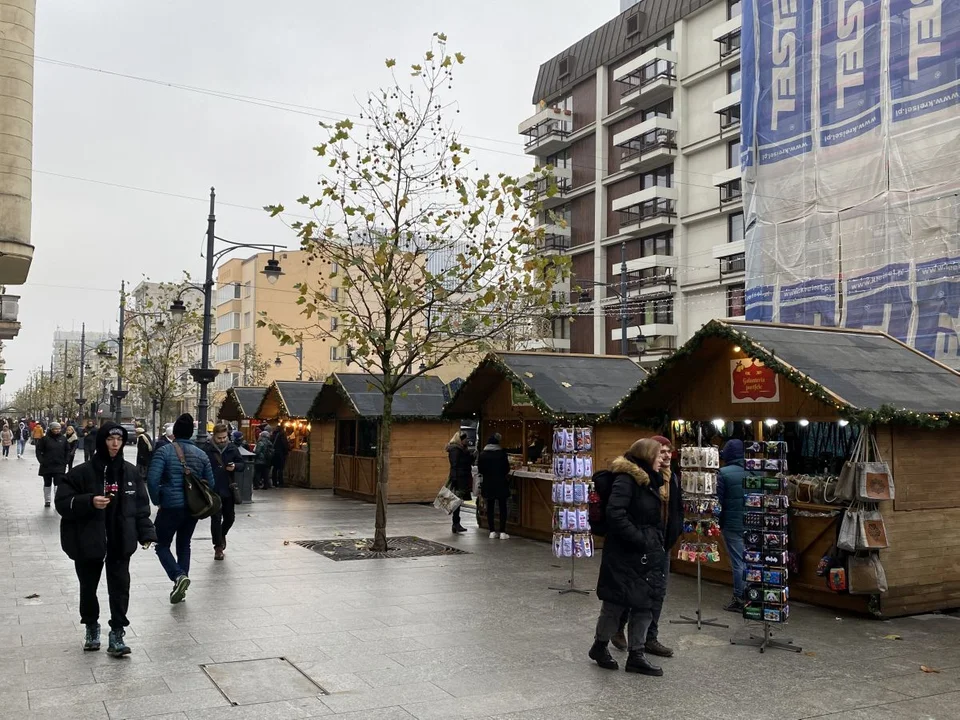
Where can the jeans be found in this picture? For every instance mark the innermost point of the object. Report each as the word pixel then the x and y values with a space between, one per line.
pixel 6 451
pixel 734 543
pixel 502 502
pixel 20 446
pixel 172 522
pixel 118 590
pixel 221 523
pixel 609 622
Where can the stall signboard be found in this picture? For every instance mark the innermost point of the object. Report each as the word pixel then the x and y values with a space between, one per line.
pixel 518 397
pixel 752 382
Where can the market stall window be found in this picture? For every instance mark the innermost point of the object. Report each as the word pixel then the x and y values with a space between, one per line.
pixel 367 437
pixel 346 437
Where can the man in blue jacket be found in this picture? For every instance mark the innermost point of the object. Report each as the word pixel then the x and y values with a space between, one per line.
pixel 165 484
pixel 730 492
pixel 226 461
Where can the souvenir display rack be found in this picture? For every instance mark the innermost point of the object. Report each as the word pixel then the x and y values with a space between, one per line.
pixel 766 544
pixel 572 473
pixel 701 512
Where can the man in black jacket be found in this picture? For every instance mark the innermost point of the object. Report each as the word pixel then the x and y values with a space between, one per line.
pixel 53 453
pixel 89 441
pixel 105 512
pixel 226 461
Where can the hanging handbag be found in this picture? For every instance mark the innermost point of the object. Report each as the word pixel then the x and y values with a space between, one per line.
pixel 865 575
pixel 849 529
pixel 846 485
pixel 871 531
pixel 447 500
pixel 874 481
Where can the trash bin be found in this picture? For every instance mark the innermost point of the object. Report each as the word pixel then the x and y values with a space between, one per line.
pixel 246 478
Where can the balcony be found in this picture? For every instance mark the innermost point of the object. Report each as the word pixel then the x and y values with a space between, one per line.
pixel 729 184
pixel 732 258
pixel 647 211
pixel 728 108
pixel 650 275
pixel 648 145
pixel 650 330
pixel 649 79
pixel 728 35
pixel 556 239
pixel 549 192
pixel 547 132
pixel 9 311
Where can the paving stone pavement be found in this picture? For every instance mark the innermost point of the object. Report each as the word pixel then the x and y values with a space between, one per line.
pixel 468 636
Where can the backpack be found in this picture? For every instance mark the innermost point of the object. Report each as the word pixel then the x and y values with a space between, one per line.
pixel 599 496
pixel 202 502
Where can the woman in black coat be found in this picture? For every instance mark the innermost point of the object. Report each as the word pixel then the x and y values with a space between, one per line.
pixel 461 473
pixel 105 513
pixel 494 468
pixel 631 570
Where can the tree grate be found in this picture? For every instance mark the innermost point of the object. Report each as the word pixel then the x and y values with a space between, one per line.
pixel 405 546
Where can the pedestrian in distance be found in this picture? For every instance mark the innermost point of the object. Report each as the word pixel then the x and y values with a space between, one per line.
pixel 6 439
pixel 53 454
pixel 73 440
pixel 105 513
pixel 281 448
pixel 166 438
pixel 89 441
pixel 23 436
pixel 631 568
pixel 37 433
pixel 262 461
pixel 144 452
pixel 494 467
pixel 237 438
pixel 226 461
pixel 461 473
pixel 730 493
pixel 165 483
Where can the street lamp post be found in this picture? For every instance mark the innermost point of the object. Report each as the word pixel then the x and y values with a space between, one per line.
pixel 298 354
pixel 640 341
pixel 119 394
pixel 204 375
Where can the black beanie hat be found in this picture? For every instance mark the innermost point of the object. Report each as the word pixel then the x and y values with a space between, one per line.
pixel 183 427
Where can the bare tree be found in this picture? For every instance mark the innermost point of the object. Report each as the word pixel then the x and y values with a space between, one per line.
pixel 419 257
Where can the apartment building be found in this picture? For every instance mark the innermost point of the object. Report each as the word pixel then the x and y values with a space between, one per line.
pixel 641 121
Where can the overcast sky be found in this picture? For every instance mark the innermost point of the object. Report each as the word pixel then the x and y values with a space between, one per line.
pixel 313 53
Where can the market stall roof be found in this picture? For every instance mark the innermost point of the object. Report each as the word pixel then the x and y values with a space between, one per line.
pixel 558 384
pixel 422 397
pixel 288 398
pixel 241 403
pixel 867 375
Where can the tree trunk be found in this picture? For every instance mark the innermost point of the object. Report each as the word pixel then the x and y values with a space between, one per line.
pixel 383 474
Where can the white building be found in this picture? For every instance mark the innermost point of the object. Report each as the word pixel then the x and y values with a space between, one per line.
pixel 641 121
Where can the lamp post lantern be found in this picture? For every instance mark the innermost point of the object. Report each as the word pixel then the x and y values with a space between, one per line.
pixel 298 354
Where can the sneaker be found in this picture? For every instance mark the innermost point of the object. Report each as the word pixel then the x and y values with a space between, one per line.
pixel 179 589
pixel 494 536
pixel 504 536
pixel 91 640
pixel 619 640
pixel 117 647
pixel 735 605
pixel 218 552
pixel 655 647
pixel 600 655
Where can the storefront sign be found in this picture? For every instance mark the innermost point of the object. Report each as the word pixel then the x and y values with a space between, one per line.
pixel 519 397
pixel 752 382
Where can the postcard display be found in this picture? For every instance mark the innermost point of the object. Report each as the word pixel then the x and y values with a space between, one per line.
pixel 766 543
pixel 572 473
pixel 701 514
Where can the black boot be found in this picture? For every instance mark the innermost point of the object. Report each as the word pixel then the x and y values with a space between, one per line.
pixel 637 663
pixel 601 655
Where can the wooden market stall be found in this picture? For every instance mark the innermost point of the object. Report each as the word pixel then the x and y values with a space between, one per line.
pixel 800 384
pixel 287 402
pixel 240 407
pixel 524 396
pixel 345 418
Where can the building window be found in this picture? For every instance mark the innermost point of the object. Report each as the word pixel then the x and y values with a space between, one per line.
pixel 657 245
pixel 228 292
pixel 733 9
pixel 730 116
pixel 230 321
pixel 247 289
pixel 565 67
pixel 228 351
pixel 633 25
pixel 735 227
pixel 334 323
pixel 661 177
pixel 656 311
pixel 663 110
pixel 736 301
pixel 733 80
pixel 335 294
pixel 560 160
pixel 334 353
pixel 733 154
pixel 334 268
pixel 247 320
pixel 560 328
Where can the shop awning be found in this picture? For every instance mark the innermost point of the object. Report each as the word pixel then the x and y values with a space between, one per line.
pixel 867 375
pixel 559 384
pixel 288 398
pixel 241 403
pixel 422 397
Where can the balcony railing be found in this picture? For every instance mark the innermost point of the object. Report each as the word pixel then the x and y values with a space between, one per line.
pixel 729 44
pixel 653 140
pixel 541 189
pixel 558 297
pixel 733 264
pixel 729 117
pixel 650 277
pixel 648 74
pixel 658 207
pixel 560 243
pixel 731 192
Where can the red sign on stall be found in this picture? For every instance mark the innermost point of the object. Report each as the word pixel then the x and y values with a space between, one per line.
pixel 752 382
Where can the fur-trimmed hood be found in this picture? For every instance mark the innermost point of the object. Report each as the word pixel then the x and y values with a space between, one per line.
pixel 623 466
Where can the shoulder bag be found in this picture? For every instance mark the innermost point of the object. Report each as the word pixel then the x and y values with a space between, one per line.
pixel 201 501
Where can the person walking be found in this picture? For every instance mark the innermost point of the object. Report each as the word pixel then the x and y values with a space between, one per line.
pixel 730 493
pixel 494 468
pixel 89 441
pixel 6 439
pixel 37 433
pixel 52 453
pixel 166 438
pixel 281 448
pixel 461 473
pixel 23 436
pixel 105 513
pixel 226 461
pixel 631 568
pixel 165 483
pixel 262 461
pixel 144 452
pixel 73 441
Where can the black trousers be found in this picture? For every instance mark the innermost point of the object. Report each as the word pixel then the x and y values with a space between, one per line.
pixel 261 476
pixel 221 523
pixel 118 589
pixel 278 464
pixel 54 480
pixel 502 502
